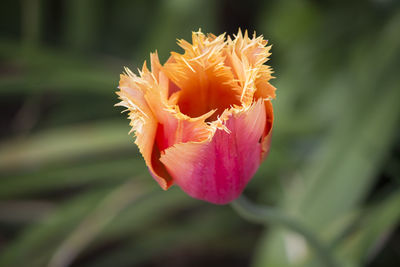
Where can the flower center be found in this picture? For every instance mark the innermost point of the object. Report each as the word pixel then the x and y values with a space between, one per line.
pixel 205 92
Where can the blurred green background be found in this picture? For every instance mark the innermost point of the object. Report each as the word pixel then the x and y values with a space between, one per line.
pixel 75 192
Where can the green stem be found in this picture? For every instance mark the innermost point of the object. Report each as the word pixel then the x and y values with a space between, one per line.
pixel 264 215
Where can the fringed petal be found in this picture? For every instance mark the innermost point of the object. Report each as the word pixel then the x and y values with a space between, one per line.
pixel 246 58
pixel 143 123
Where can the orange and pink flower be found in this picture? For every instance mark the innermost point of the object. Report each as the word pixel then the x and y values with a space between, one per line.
pixel 203 120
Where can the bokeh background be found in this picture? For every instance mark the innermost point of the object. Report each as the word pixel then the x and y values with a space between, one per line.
pixel 75 192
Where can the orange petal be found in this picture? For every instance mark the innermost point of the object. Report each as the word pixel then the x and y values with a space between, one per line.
pixel 144 124
pixel 266 138
pixel 201 75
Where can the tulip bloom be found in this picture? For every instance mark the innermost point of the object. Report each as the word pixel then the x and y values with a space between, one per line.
pixel 203 120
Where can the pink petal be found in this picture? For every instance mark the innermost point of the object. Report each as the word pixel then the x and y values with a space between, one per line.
pixel 218 170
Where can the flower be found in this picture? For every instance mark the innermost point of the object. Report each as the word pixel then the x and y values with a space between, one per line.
pixel 203 120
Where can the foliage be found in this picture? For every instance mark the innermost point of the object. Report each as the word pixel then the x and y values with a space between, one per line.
pixel 75 191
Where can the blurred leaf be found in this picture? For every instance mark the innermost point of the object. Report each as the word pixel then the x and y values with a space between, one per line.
pixel 208 226
pixel 348 168
pixel 70 176
pixel 81 22
pixel 36 242
pixel 45 237
pixel 375 226
pixel 31 17
pixel 176 19
pixel 63 144
pixel 346 163
pixel 94 222
pixel 38 70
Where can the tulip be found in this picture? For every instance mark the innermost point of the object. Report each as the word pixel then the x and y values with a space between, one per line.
pixel 203 120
